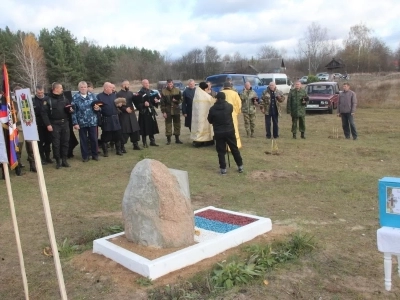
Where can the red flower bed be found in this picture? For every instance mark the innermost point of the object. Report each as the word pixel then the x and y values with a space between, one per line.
pixel 225 217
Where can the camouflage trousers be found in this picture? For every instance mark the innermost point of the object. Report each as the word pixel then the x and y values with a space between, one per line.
pixel 249 123
pixel 176 120
pixel 302 124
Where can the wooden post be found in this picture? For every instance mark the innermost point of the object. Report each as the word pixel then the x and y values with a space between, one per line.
pixel 49 221
pixel 15 225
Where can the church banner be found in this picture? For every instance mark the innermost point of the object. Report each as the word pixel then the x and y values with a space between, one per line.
pixel 27 114
pixel 3 152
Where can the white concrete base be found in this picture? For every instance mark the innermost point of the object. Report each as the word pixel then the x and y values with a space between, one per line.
pixel 185 257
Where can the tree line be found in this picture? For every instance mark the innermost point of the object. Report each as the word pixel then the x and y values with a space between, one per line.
pixel 57 55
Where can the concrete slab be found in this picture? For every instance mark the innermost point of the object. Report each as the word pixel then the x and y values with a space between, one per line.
pixel 205 248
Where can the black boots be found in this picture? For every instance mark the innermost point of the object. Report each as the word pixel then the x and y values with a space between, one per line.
pixel 32 167
pixel 118 148
pixel 64 162
pixel 58 163
pixel 168 140
pixel 177 140
pixel 136 146
pixel 153 141
pixel 302 135
pixel 105 149
pixel 294 135
pixel 48 158
pixel 123 150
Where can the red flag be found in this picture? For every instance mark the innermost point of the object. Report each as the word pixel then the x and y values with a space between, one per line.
pixel 12 136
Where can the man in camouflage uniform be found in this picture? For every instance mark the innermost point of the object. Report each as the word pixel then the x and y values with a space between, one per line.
pixel 271 101
pixel 249 99
pixel 296 107
pixel 171 97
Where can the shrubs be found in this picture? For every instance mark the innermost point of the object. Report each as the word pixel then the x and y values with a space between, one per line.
pixel 253 263
pixel 312 78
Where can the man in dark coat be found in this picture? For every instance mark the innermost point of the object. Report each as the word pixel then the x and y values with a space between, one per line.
pixel 44 135
pixel 73 141
pixel 187 103
pixel 110 126
pixel 220 116
pixel 146 102
pixel 129 124
pixel 55 114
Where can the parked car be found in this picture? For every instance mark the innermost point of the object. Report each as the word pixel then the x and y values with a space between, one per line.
pixel 303 79
pixel 336 75
pixel 282 82
pixel 238 80
pixel 323 76
pixel 323 96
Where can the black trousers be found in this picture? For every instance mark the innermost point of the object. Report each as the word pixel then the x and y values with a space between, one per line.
pixel 348 125
pixel 114 136
pixel 85 134
pixel 60 138
pixel 221 143
pixel 44 140
pixel 275 128
pixel 134 136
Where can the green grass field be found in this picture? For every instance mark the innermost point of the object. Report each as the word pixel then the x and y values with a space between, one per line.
pixel 323 186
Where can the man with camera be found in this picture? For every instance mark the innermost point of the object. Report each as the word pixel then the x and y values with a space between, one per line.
pixel 171 97
pixel 296 107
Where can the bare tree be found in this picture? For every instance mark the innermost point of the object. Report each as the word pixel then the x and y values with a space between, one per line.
pixel 211 60
pixel 267 51
pixel 357 45
pixel 31 67
pixel 315 46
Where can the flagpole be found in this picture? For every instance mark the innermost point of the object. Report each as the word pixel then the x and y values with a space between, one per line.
pixel 16 230
pixel 49 221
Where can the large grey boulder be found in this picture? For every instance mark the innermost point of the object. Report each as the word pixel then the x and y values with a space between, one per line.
pixel 156 206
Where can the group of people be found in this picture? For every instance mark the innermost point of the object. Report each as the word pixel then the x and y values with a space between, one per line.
pixel 211 117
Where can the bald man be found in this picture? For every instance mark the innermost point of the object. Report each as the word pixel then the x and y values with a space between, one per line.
pixel 147 101
pixel 110 126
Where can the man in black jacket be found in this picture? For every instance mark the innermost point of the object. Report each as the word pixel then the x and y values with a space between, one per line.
pixel 146 102
pixel 187 103
pixel 55 114
pixel 128 120
pixel 220 116
pixel 110 126
pixel 44 135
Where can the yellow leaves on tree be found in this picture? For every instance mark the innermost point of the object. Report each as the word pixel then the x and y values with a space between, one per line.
pixel 31 63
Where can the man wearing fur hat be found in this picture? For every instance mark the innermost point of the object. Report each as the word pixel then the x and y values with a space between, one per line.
pixel 129 124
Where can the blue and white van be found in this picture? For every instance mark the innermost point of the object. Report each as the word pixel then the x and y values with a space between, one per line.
pixel 238 81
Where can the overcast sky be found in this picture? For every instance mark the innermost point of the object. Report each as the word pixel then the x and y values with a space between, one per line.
pixel 177 26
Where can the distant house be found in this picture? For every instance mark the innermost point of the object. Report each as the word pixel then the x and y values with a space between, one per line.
pixel 270 65
pixel 335 63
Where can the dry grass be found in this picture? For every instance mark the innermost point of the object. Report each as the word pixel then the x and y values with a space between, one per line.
pixel 375 91
pixel 326 187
